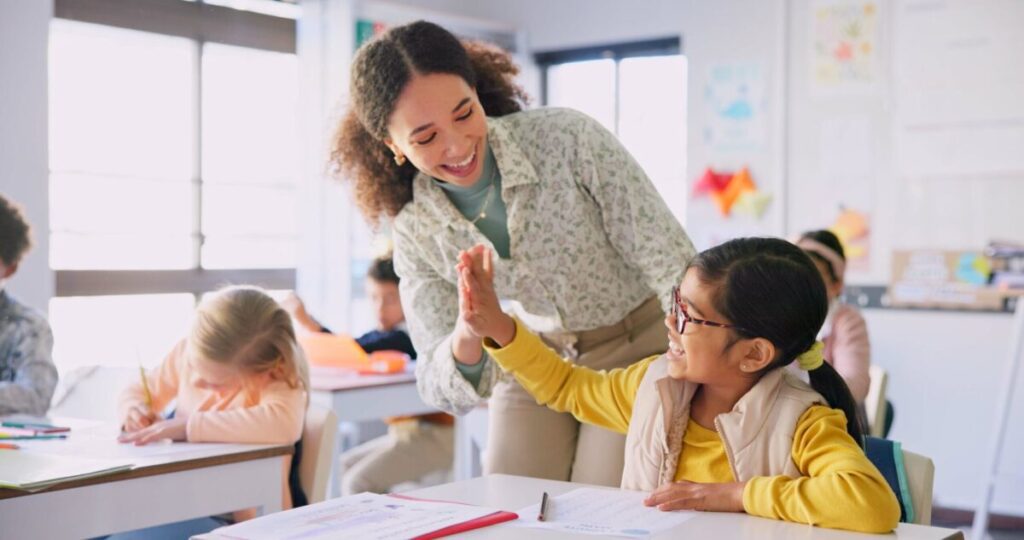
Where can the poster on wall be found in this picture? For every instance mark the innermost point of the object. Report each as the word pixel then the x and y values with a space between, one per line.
pixel 853 228
pixel 844 47
pixel 736 103
pixel 958 84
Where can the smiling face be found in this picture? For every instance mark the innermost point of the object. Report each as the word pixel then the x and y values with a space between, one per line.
pixel 710 354
pixel 439 125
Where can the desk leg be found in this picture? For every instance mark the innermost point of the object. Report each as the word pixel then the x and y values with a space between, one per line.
pixel 270 495
pixel 462 468
pixel 468 452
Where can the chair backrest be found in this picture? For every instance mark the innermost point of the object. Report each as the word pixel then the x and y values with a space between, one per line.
pixel 874 403
pixel 920 477
pixel 319 441
pixel 909 475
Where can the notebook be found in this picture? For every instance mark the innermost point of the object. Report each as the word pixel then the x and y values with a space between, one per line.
pixel 31 471
pixel 366 516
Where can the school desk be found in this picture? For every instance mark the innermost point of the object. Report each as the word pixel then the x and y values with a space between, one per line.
pixel 516 492
pixel 360 398
pixel 164 486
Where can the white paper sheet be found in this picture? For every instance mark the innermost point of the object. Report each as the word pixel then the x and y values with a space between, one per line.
pixel 602 511
pixel 100 441
pixel 365 516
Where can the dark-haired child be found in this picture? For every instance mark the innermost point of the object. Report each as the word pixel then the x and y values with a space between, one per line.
pixel 27 373
pixel 714 423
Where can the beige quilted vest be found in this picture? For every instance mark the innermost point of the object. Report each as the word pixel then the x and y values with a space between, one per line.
pixel 757 433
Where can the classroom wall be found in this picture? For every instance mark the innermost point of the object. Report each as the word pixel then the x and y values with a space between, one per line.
pixel 943 388
pixel 946 368
pixel 24 170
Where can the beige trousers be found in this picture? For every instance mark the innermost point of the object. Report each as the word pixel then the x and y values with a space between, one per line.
pixel 531 440
pixel 410 451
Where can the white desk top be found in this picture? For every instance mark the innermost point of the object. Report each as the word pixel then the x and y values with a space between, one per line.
pixel 98 440
pixel 333 379
pixel 514 492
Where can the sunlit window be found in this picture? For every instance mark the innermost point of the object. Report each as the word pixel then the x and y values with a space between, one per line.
pixel 121 148
pixel 173 170
pixel 587 86
pixel 652 122
pixel 128 329
pixel 638 92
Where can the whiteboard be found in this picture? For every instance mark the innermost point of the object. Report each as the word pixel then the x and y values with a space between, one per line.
pixel 958 78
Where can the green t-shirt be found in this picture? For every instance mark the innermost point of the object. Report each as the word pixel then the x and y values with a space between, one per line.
pixel 482 202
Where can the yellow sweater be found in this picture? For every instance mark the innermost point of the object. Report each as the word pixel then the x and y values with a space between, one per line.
pixel 841 488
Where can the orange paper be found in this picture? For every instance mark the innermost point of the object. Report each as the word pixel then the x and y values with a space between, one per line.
pixel 333 350
pixel 739 184
pixel 341 351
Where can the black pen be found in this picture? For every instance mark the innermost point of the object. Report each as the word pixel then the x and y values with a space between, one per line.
pixel 543 506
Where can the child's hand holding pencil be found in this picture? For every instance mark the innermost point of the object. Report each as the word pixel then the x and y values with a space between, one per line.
pixel 141 416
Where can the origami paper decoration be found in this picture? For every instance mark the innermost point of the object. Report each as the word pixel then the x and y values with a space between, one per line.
pixel 752 204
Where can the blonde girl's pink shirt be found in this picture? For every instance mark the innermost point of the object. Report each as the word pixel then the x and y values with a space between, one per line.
pixel 262 410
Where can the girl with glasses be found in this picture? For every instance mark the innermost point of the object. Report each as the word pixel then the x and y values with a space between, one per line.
pixel 716 423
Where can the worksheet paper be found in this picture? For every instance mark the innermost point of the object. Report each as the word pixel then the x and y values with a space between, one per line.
pixel 100 441
pixel 602 511
pixel 366 516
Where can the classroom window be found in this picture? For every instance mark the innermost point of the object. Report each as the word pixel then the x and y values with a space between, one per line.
pixel 173 167
pixel 637 91
pixel 147 327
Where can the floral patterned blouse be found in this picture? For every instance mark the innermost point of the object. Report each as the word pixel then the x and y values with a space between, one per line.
pixel 591 240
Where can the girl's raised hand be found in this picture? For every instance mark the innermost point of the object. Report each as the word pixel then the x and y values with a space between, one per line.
pixel 479 308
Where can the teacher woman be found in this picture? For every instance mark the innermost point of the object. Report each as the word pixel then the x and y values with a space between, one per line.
pixel 435 141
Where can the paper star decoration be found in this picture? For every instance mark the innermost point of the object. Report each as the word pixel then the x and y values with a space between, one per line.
pixel 732 191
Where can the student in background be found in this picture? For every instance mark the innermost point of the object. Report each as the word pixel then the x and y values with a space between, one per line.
pixel 414 446
pixel 239 377
pixel 27 373
pixel 844 333
pixel 716 423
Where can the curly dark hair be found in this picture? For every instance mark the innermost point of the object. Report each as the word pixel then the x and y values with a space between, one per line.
pixel 15 232
pixel 380 71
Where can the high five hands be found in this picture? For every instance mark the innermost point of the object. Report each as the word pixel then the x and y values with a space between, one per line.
pixel 479 308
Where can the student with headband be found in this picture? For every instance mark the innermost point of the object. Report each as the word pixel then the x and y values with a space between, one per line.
pixel 844 333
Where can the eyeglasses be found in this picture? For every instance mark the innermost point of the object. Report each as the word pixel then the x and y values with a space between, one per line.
pixel 682 317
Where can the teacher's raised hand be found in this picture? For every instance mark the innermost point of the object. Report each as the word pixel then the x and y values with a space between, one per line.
pixel 479 308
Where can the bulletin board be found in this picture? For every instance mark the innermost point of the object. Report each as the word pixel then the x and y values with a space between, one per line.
pixel 930 154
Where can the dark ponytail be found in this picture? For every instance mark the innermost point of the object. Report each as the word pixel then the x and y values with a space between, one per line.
pixel 770 288
pixel 830 384
pixel 380 71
